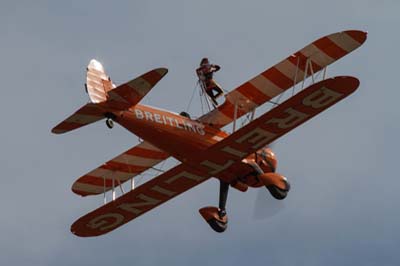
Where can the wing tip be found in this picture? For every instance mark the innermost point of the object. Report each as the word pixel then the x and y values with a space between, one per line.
pixel 162 71
pixel 348 84
pixel 358 35
pixel 80 192
pixel 57 130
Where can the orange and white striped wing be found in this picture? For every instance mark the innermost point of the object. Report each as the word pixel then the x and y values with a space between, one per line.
pixel 224 159
pixel 130 93
pixel 138 201
pixel 284 75
pixel 121 168
pixel 87 114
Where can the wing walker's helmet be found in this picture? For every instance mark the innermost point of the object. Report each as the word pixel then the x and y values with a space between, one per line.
pixel 204 61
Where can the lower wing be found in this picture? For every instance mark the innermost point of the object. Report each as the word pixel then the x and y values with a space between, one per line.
pixel 137 202
pixel 119 169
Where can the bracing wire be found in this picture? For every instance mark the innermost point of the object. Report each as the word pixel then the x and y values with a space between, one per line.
pixel 201 101
pixel 191 98
pixel 157 169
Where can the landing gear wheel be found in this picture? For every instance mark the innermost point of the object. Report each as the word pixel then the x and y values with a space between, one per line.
pixel 279 193
pixel 217 226
pixel 109 123
pixel 216 218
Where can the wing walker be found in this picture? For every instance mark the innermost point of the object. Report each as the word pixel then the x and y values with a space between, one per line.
pixel 240 160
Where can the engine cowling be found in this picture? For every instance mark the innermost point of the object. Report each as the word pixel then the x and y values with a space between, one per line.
pixel 264 163
pixel 266 159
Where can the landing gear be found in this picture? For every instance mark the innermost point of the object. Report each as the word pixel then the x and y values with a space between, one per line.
pixel 109 120
pixel 217 217
pixel 218 225
pixel 109 123
pixel 277 192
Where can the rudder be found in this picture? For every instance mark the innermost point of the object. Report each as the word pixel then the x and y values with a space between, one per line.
pixel 98 83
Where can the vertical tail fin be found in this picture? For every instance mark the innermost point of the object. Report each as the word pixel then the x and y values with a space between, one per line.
pixel 98 83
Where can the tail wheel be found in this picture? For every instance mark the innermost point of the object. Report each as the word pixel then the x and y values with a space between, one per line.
pixel 277 192
pixel 109 123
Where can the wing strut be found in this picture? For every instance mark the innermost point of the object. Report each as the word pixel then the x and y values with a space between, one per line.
pixel 235 116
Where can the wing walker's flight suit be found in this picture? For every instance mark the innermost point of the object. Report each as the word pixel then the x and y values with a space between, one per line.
pixel 205 73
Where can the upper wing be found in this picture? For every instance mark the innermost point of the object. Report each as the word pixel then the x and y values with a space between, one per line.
pixel 130 93
pixel 138 201
pixel 284 75
pixel 222 158
pixel 121 168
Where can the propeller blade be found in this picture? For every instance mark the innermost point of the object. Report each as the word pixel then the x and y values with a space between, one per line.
pixel 266 206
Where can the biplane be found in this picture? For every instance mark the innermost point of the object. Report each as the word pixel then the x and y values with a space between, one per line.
pixel 203 148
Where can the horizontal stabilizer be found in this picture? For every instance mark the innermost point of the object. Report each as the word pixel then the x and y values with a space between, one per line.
pixel 130 93
pixel 87 114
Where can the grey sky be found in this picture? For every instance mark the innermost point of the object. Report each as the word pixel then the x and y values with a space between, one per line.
pixel 343 207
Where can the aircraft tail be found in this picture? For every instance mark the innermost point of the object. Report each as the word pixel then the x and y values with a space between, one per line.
pixel 97 82
pixel 106 98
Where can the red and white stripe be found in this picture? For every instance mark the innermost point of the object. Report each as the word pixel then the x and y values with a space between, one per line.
pixel 101 91
pixel 87 114
pixel 284 75
pixel 130 93
pixel 121 168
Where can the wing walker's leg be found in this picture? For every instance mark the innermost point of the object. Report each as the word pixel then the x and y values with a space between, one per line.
pixel 207 97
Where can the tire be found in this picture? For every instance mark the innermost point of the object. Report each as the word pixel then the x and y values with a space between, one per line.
pixel 109 123
pixel 278 193
pixel 217 226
